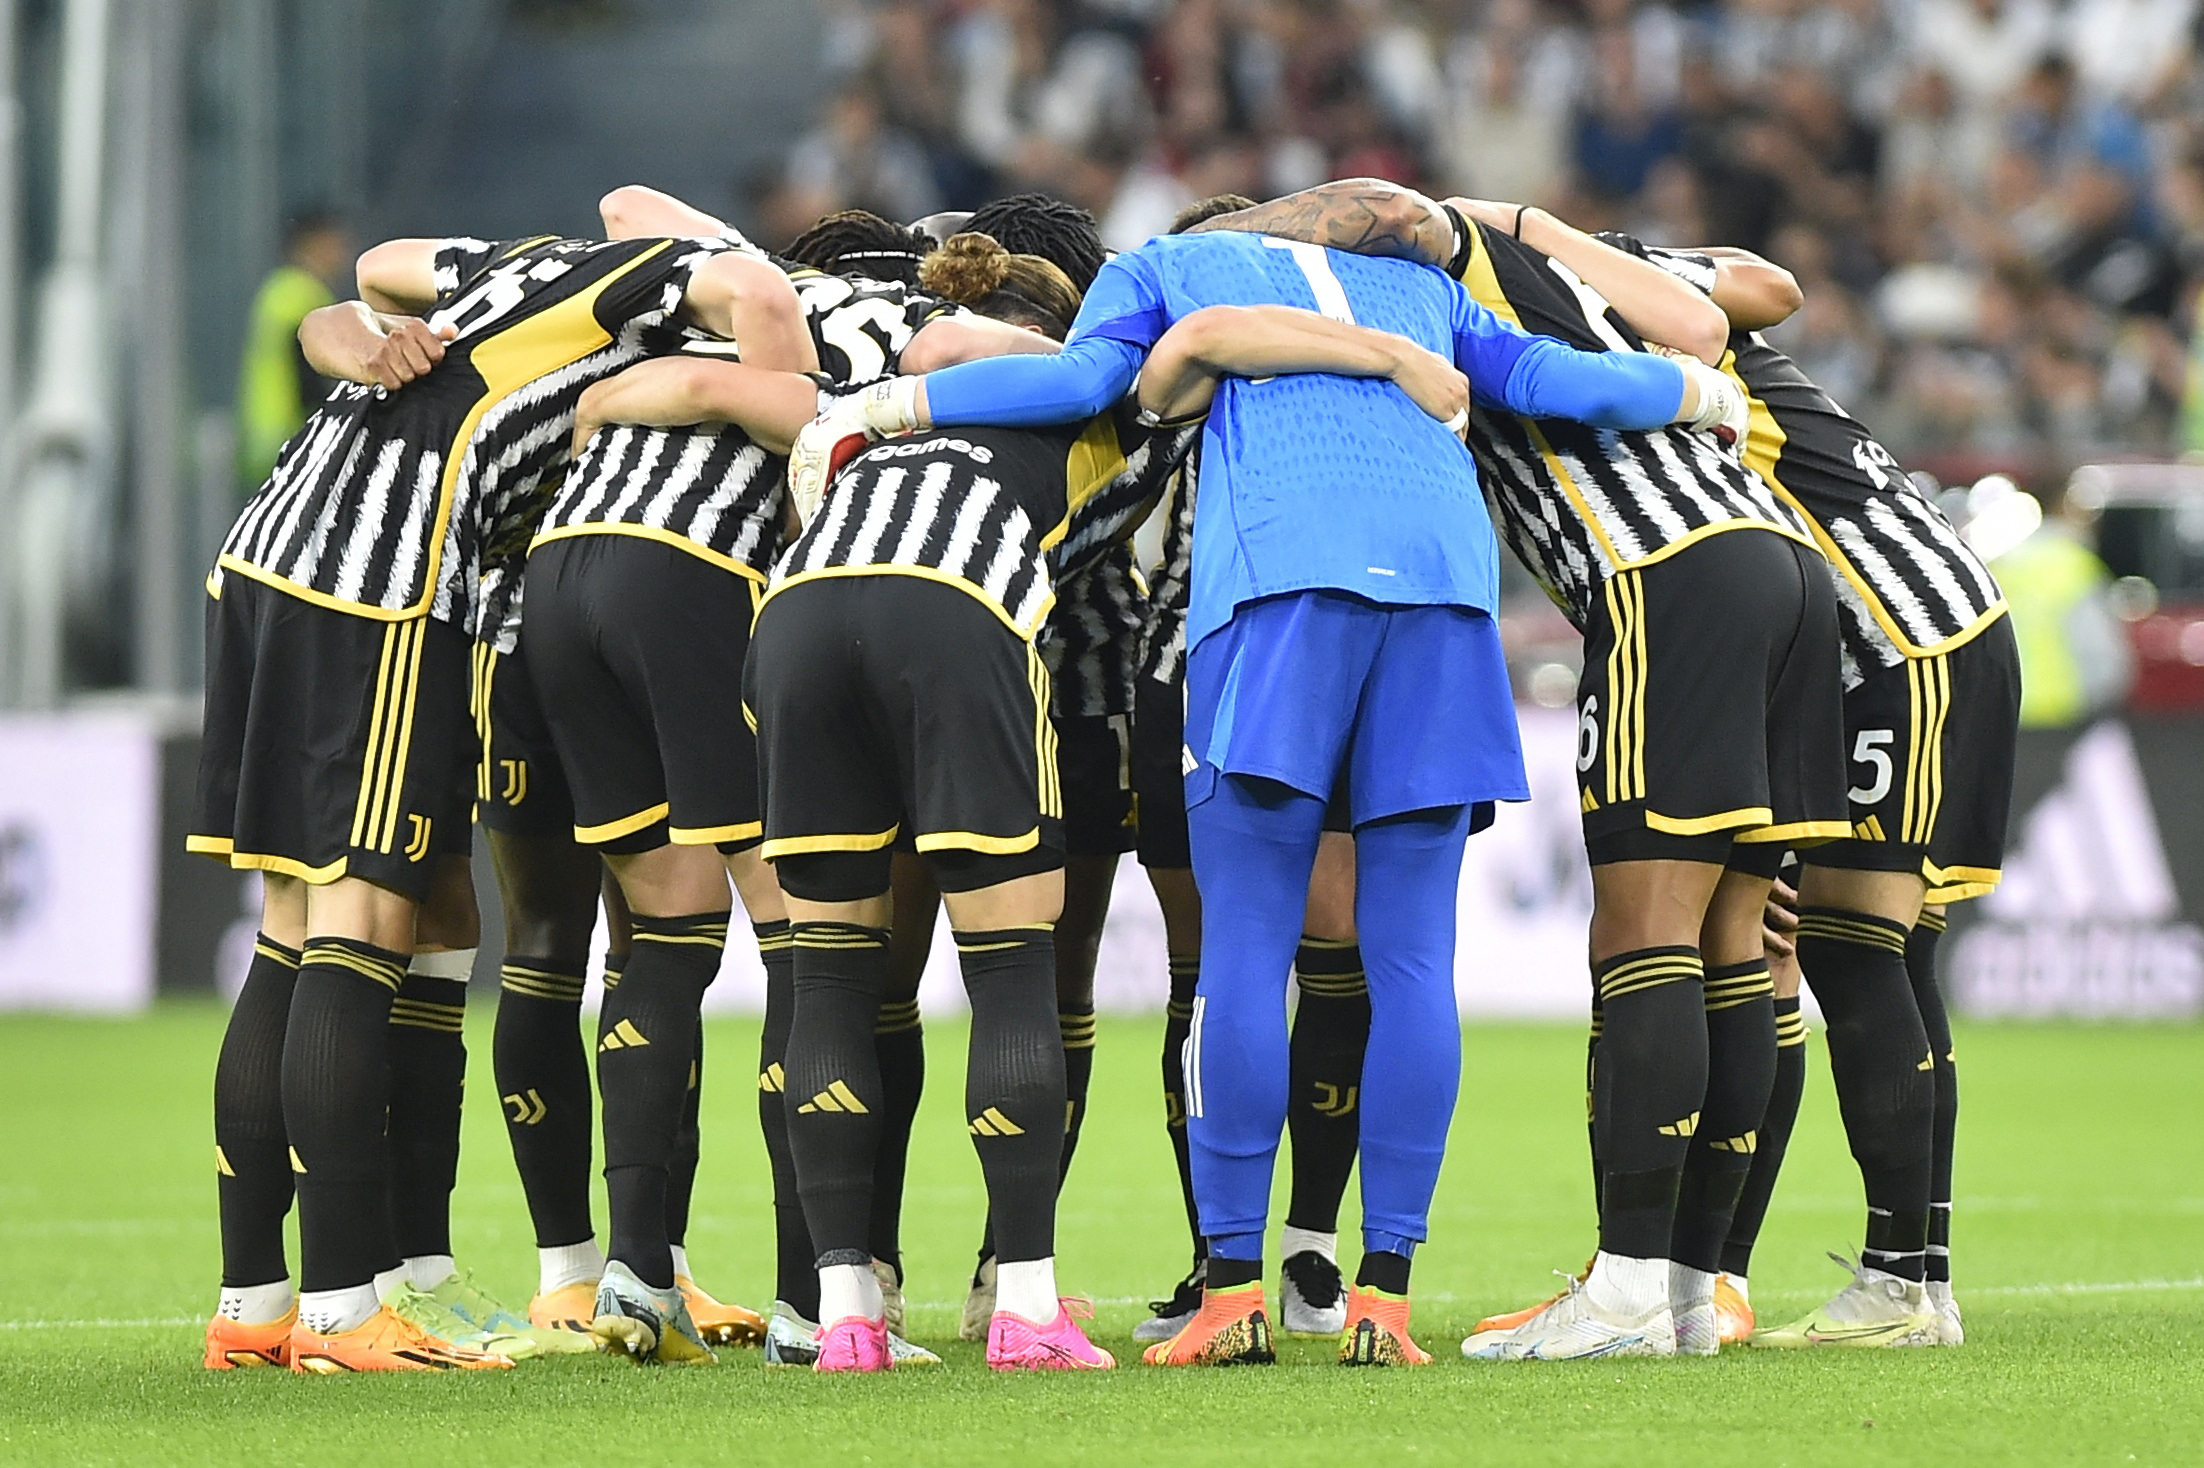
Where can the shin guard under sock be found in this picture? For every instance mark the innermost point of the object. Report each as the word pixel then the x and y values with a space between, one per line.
pixel 1740 1009
pixel 899 1041
pixel 795 1280
pixel 1014 1083
pixel 1331 1029
pixel 542 1070
pixel 1648 1093
pixel 646 1048
pixel 336 1099
pixel 687 1148
pixel 1774 1139
pixel 833 1096
pixel 252 1163
pixel 1928 996
pixel 1178 1019
pixel 428 1078
pixel 1075 1026
pixel 1885 1076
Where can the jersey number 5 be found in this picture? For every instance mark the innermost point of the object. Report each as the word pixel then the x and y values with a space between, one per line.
pixel 1868 750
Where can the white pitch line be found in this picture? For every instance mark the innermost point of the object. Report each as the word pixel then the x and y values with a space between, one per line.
pixel 163 1323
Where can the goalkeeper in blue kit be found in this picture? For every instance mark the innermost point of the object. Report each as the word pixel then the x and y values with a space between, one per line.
pixel 1341 638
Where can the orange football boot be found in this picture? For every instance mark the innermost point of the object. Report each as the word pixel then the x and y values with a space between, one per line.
pixel 720 1324
pixel 1230 1329
pixel 383 1343
pixel 1377 1331
pixel 235 1347
pixel 569 1309
pixel 1732 1312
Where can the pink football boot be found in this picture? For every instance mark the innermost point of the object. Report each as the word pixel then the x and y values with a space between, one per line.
pixel 1015 1343
pixel 854 1344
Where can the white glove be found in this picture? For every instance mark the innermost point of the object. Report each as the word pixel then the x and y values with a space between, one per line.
pixel 843 431
pixel 1724 410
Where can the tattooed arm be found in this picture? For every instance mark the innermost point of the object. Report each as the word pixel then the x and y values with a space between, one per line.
pixel 1364 216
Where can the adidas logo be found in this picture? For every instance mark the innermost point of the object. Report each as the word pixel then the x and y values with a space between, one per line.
pixel 992 1123
pixel 773 1078
pixel 838 1098
pixel 622 1036
pixel 1684 1128
pixel 2091 848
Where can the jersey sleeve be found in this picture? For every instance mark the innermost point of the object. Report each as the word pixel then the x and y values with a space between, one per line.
pixel 460 259
pixel 1695 270
pixel 1125 303
pixel 652 291
pixel 1539 377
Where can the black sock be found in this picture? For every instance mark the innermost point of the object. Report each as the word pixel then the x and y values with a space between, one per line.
pixel 1648 1092
pixel 1384 1271
pixel 687 1147
pixel 796 1282
pixel 1178 1019
pixel 899 1042
pixel 1879 1059
pixel 252 1166
pixel 1740 999
pixel 1014 1083
pixel 1591 1089
pixel 1075 1025
pixel 833 1094
pixel 1225 1274
pixel 336 1099
pixel 428 1079
pixel 1774 1140
pixel 542 1070
pixel 646 1045
pixel 1928 997
pixel 1331 1028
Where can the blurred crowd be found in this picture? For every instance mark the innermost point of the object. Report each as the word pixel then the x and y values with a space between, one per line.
pixel 1996 206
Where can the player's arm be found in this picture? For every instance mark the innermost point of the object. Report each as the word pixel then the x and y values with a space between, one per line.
pixel 672 392
pixel 1753 293
pixel 398 277
pixel 350 342
pixel 1363 216
pixel 636 211
pixel 1658 306
pixel 1182 372
pixel 951 341
pixel 746 299
pixel 1539 377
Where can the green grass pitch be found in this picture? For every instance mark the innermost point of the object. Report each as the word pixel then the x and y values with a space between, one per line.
pixel 2080 1249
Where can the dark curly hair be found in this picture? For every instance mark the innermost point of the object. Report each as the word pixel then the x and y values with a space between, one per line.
pixel 1063 234
pixel 857 242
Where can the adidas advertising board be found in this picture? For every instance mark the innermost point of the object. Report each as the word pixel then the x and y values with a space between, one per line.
pixel 2097 917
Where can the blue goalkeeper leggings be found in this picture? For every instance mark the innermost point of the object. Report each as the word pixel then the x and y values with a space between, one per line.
pixel 1254 843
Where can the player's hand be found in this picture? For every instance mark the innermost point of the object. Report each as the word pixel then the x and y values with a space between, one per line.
pixel 1436 385
pixel 1779 923
pixel 409 351
pixel 828 442
pixel 1714 402
pixel 588 416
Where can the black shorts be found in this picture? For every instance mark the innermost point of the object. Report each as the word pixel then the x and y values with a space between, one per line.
pixel 885 701
pixel 636 648
pixel 1094 770
pixel 1932 742
pixel 520 786
pixel 1159 774
pixel 335 745
pixel 1710 709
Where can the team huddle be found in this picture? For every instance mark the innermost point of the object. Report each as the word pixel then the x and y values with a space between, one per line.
pixel 700 574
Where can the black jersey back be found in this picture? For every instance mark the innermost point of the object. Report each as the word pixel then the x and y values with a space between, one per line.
pixel 1912 588
pixel 1578 503
pixel 1093 638
pixel 391 504
pixel 1170 590
pixel 1002 513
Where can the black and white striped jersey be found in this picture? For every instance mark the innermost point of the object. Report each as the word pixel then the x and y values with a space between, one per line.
pixel 1910 586
pixel 1004 514
pixel 389 505
pixel 860 327
pixel 1170 589
pixel 1578 503
pixel 1093 638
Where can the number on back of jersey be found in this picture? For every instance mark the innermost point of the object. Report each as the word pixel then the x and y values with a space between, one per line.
pixel 860 327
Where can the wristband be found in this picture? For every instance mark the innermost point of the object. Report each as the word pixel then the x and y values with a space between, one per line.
pixel 1520 211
